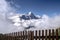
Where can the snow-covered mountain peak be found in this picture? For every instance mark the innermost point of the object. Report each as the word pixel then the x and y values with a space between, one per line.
pixel 30 13
pixel 29 16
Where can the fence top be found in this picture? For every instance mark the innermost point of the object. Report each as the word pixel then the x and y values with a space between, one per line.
pixel 41 31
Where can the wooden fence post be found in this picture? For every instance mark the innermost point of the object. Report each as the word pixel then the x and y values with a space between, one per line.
pixel 23 35
pixel 57 34
pixel 32 35
pixel 49 34
pixel 42 34
pixel 45 34
pixel 39 34
pixel 36 35
pixel 52 34
pixel 28 35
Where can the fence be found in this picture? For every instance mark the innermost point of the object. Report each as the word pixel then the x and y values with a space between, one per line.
pixel 32 35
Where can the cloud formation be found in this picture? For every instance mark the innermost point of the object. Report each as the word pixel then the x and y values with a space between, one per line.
pixel 45 22
pixel 6 25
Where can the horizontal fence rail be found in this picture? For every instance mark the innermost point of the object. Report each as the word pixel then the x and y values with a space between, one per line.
pixel 50 34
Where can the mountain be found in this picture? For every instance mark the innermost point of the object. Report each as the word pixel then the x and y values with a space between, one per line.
pixel 28 16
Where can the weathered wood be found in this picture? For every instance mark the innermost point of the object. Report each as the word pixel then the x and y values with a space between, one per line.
pixel 46 34
pixel 42 34
pixel 57 34
pixel 39 34
pixel 49 34
pixel 53 34
pixel 31 35
pixel 28 35
pixel 36 35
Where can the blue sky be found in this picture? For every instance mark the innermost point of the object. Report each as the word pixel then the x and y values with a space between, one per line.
pixel 40 7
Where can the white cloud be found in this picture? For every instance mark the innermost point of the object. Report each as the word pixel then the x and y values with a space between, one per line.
pixel 45 22
pixel 5 24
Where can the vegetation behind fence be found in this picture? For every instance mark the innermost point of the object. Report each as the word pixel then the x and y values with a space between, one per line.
pixel 32 35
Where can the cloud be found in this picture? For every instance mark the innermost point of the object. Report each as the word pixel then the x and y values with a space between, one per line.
pixel 5 24
pixel 44 23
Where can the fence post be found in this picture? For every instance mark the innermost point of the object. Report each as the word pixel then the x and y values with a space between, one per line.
pixel 45 34
pixel 36 35
pixel 28 35
pixel 14 35
pixel 52 34
pixel 49 34
pixel 32 35
pixel 23 35
pixel 18 35
pixel 57 34
pixel 42 34
pixel 39 34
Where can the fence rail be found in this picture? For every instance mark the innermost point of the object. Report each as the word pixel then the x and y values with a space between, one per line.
pixel 32 35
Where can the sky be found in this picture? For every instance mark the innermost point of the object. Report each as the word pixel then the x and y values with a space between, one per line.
pixel 39 7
